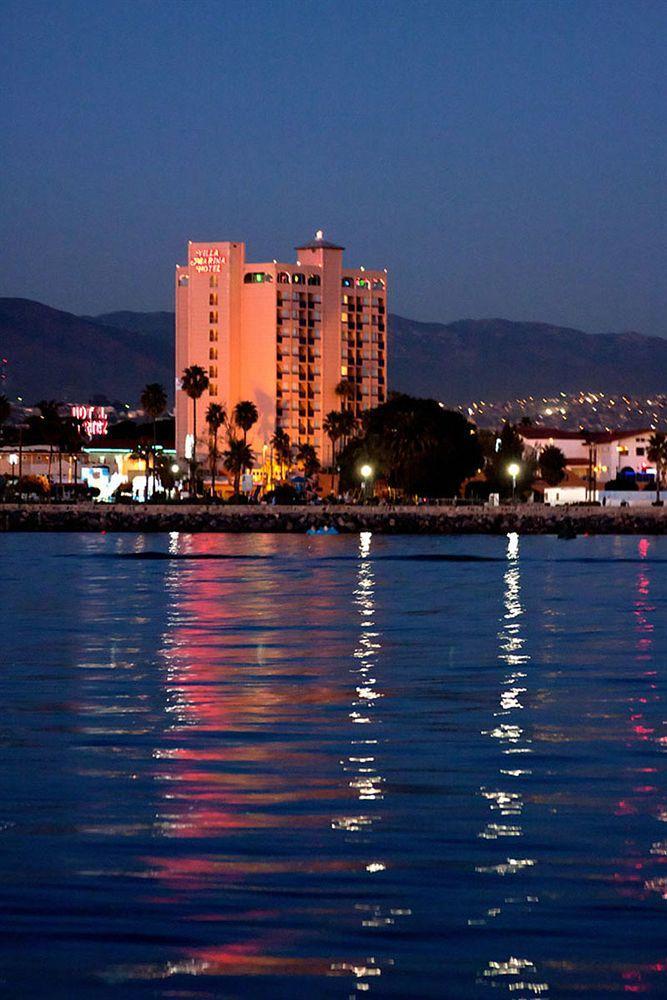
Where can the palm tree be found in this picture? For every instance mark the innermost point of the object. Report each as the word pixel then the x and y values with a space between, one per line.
pixel 347 425
pixel 215 418
pixel 237 457
pixel 245 416
pixel 345 391
pixel 282 447
pixel 5 410
pixel 333 430
pixel 194 384
pixel 51 425
pixel 657 452
pixel 308 456
pixel 72 442
pixel 153 401
pixel 142 453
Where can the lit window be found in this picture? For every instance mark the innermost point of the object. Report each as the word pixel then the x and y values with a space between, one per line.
pixel 213 299
pixel 213 353
pixel 343 317
pixel 213 281
pixel 298 278
pixel 212 371
pixel 282 278
pixel 343 369
pixel 348 282
pixel 212 389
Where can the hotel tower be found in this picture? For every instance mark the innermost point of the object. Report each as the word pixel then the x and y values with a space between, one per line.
pixel 281 335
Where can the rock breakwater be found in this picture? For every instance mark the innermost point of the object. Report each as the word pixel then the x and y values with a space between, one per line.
pixel 529 519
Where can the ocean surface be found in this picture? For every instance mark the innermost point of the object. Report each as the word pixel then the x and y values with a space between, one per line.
pixel 291 767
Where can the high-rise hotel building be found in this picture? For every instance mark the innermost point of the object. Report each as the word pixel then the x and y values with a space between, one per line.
pixel 281 335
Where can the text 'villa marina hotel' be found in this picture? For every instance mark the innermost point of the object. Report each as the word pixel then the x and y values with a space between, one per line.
pixel 281 335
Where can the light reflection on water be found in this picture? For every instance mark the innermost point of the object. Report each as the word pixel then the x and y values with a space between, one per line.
pixel 324 771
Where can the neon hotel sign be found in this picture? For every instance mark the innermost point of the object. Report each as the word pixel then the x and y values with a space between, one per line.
pixel 207 260
pixel 93 419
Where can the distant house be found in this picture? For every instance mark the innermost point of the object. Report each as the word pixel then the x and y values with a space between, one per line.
pixel 614 453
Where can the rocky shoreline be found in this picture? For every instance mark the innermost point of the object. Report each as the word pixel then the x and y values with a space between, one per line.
pixel 528 519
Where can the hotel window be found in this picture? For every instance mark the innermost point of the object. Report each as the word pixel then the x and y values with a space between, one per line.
pixel 256 278
pixel 298 278
pixel 213 317
pixel 348 282
pixel 282 278
pixel 314 279
pixel 213 336
pixel 183 280
pixel 213 299
pixel 212 389
pixel 640 451
pixel 213 281
pixel 213 353
pixel 212 371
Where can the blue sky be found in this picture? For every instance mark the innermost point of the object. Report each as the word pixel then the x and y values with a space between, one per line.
pixel 500 158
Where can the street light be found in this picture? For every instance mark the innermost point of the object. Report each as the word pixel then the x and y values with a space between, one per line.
pixel 175 468
pixel 366 473
pixel 513 469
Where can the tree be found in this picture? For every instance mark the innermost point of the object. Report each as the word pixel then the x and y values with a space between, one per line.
pixel 657 452
pixel 194 384
pixel 417 445
pixel 50 425
pixel 72 441
pixel 142 453
pixel 245 416
pixel 237 457
pixel 333 430
pixel 553 464
pixel 282 447
pixel 510 450
pixel 347 425
pixel 215 418
pixel 153 401
pixel 345 390
pixel 308 455
pixel 5 411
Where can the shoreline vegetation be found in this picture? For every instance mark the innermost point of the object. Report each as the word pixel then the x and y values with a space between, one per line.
pixel 529 519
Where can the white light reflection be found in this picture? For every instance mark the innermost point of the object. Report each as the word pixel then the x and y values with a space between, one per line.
pixel 506 805
pixel 361 765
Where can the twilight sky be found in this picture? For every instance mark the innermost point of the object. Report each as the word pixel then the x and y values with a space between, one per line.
pixel 501 158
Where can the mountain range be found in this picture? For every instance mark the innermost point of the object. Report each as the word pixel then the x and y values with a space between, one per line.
pixel 55 354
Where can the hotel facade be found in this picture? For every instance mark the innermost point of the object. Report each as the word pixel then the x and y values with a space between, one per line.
pixel 282 335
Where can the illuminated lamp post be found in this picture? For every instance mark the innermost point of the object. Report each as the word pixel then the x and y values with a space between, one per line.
pixel 366 473
pixel 14 461
pixel 513 469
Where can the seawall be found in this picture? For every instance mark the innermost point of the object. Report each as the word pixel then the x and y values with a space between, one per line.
pixel 529 519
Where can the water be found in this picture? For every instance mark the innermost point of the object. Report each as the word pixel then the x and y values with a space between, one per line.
pixel 327 767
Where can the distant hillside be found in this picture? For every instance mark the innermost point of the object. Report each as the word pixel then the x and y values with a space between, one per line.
pixel 498 358
pixel 155 324
pixel 56 354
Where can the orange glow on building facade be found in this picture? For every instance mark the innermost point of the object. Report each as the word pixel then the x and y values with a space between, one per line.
pixel 281 335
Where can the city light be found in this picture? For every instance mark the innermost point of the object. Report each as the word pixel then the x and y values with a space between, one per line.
pixel 513 469
pixel 366 471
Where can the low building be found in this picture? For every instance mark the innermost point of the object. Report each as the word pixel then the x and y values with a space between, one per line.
pixel 612 454
pixel 105 466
